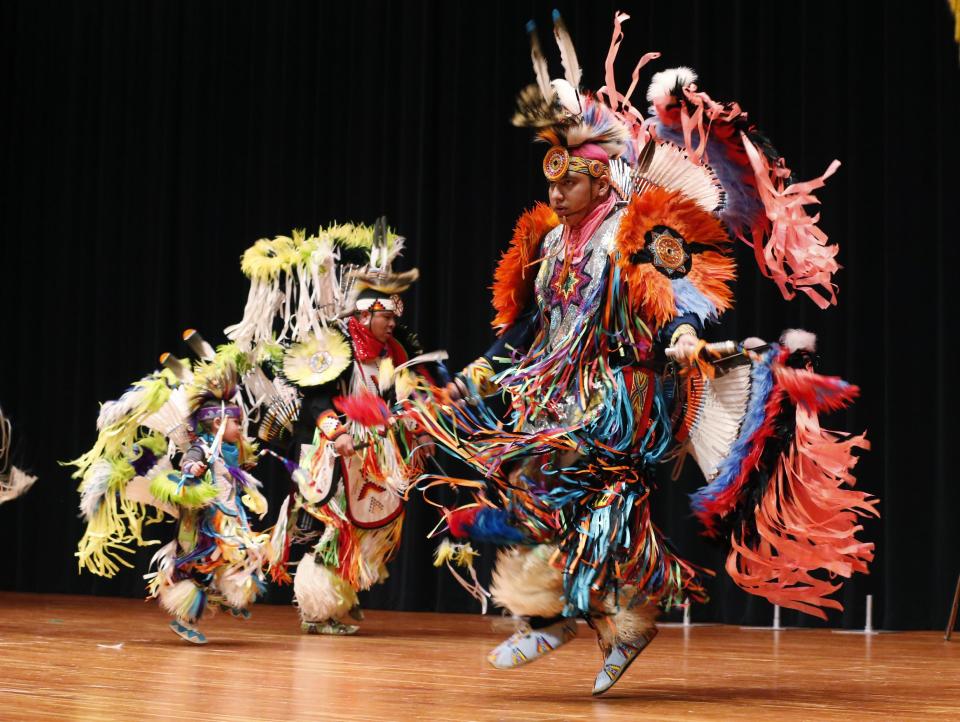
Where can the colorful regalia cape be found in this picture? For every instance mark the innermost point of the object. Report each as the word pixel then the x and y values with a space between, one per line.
pixel 585 317
pixel 350 510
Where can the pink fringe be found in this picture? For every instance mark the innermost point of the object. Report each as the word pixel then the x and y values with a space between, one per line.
pixel 796 255
pixel 807 520
pixel 620 103
pixel 815 392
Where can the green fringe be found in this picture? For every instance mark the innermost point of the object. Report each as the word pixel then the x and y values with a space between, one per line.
pixel 327 551
pixel 156 442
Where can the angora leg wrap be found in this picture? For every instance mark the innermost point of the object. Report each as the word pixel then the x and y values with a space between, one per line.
pixel 525 583
pixel 238 590
pixel 626 624
pixel 320 593
pixel 183 600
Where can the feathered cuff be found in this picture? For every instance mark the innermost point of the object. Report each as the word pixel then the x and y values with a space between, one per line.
pixel 188 492
pixel 329 425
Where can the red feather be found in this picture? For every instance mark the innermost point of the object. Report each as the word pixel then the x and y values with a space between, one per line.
pixel 460 521
pixel 815 392
pixel 364 408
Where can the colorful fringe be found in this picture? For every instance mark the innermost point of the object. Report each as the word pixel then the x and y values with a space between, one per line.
pixel 358 556
pixel 765 206
pixel 594 507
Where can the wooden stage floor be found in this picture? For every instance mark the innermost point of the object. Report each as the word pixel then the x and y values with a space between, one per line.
pixel 431 666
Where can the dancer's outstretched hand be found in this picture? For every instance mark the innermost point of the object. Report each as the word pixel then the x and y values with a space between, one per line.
pixel 685 349
pixel 343 445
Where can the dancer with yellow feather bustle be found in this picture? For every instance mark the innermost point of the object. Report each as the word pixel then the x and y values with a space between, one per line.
pixel 195 412
pixel 601 301
pixel 338 346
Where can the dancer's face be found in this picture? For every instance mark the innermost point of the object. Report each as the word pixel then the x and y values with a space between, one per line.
pixel 381 324
pixel 231 434
pixel 575 195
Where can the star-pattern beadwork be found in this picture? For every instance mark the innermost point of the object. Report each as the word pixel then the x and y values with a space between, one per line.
pixel 568 287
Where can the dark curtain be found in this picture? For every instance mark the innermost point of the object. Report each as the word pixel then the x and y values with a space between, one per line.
pixel 146 144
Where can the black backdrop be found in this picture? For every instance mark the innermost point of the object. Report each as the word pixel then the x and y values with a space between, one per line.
pixel 146 144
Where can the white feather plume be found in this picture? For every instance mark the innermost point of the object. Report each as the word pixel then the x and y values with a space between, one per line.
pixel 663 83
pixel 172 419
pixel 568 95
pixel 113 411
pixel 568 54
pixel 14 483
pixel 796 339
pixel 95 484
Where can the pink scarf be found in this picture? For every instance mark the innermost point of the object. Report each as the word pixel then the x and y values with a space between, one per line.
pixel 575 237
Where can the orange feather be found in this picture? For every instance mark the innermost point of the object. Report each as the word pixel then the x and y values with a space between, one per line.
pixel 515 275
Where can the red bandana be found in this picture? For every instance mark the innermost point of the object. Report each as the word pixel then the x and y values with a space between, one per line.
pixel 367 348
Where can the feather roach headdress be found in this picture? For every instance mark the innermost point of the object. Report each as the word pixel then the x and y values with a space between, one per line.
pixel 585 130
pixel 214 390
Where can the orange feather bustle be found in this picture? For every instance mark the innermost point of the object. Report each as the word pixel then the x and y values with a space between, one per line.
pixel 650 292
pixel 515 275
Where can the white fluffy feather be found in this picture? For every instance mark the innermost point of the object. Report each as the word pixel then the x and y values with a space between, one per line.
pixel 663 83
pixel 526 584
pixel 796 339
pixel 95 484
pixel 568 96
pixel 113 411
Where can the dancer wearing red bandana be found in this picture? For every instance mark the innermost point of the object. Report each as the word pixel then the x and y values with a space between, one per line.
pixel 351 500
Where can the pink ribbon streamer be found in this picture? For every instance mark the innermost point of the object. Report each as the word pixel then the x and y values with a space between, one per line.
pixel 618 102
pixel 797 255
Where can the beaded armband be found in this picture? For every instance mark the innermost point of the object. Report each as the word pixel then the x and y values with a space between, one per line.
pixel 682 330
